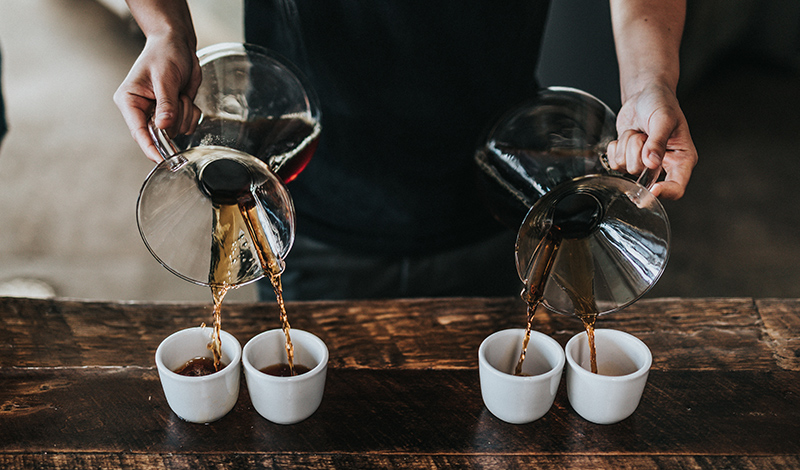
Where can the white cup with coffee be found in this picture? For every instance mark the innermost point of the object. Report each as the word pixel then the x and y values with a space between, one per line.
pixel 613 393
pixel 285 399
pixel 204 398
pixel 519 399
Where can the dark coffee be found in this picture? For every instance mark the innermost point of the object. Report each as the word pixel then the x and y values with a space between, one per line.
pixel 285 143
pixel 577 215
pixel 198 367
pixel 225 181
pixel 285 370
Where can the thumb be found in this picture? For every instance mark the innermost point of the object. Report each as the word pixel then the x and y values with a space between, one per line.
pixel 166 110
pixel 660 129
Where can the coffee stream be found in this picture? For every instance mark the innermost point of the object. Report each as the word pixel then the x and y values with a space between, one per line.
pixel 235 216
pixel 575 217
pixel 230 224
pixel 218 293
pixel 538 272
pixel 272 266
pixel 226 254
pixel 577 281
pixel 285 144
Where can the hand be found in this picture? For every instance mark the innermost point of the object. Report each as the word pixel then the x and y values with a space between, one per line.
pixel 653 132
pixel 162 83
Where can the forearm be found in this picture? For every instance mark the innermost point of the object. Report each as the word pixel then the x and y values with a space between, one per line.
pixel 647 34
pixel 164 18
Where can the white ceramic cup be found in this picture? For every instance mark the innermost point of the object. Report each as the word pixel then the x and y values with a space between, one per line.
pixel 285 400
pixel 623 364
pixel 519 399
pixel 199 399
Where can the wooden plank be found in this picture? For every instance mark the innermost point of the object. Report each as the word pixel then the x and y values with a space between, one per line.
pixel 698 334
pixel 782 327
pixel 77 389
pixel 432 412
pixel 71 461
pixel 687 334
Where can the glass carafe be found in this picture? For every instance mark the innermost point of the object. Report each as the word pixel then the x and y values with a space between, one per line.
pixel 216 210
pixel 216 216
pixel 257 102
pixel 592 240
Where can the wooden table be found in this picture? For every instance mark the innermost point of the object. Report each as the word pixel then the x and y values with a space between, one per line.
pixel 78 389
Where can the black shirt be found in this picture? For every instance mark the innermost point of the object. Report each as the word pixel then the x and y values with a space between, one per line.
pixel 407 89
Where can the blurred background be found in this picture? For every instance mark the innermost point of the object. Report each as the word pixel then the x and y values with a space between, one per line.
pixel 70 172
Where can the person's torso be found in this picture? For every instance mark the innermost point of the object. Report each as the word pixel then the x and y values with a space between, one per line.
pixel 407 90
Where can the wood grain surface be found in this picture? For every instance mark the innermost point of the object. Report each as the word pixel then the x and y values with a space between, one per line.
pixel 78 389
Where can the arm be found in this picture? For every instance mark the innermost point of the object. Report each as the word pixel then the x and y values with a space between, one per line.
pixel 164 79
pixel 651 127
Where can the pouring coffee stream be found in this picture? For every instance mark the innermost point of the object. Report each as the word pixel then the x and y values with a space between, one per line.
pixel 250 230
pixel 572 220
pixel 592 241
pixel 216 212
pixel 229 186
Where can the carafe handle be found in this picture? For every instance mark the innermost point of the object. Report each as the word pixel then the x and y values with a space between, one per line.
pixel 644 183
pixel 646 179
pixel 649 177
pixel 165 146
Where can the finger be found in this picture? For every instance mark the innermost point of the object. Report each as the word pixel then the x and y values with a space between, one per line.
pixel 668 190
pixel 678 166
pixel 187 121
pixel 660 128
pixel 614 151
pixel 196 115
pixel 616 154
pixel 142 137
pixel 135 112
pixel 195 78
pixel 611 154
pixel 167 111
pixel 633 153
